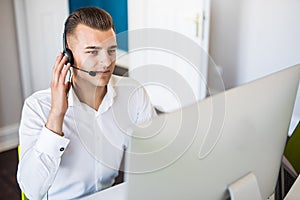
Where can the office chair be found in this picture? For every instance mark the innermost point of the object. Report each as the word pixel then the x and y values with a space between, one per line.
pixel 23 197
pixel 292 150
pixel 290 165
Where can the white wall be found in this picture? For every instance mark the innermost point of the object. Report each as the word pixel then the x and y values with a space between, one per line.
pixel 10 82
pixel 269 37
pixel 40 28
pixel 250 39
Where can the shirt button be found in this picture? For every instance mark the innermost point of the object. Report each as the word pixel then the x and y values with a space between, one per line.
pixel 62 149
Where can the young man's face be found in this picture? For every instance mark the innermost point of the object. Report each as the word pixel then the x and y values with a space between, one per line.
pixel 94 50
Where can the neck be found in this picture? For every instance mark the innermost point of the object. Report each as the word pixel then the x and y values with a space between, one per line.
pixel 89 94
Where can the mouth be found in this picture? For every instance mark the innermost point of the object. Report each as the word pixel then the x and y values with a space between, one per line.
pixel 103 72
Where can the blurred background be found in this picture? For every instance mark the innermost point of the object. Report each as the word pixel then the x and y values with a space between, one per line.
pixel 245 39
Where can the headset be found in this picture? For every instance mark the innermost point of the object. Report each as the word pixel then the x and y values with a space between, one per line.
pixel 70 58
pixel 67 52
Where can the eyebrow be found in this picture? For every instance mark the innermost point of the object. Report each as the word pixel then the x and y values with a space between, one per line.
pixel 97 47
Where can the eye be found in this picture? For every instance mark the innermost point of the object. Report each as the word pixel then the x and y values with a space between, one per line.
pixel 111 51
pixel 93 52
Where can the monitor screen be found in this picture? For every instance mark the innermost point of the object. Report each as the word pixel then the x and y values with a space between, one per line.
pixel 198 151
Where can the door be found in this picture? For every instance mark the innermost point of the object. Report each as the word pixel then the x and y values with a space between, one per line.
pixel 171 62
pixel 40 25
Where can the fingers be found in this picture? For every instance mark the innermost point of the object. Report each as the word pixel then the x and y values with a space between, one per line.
pixel 59 89
pixel 58 59
pixel 57 69
pixel 64 72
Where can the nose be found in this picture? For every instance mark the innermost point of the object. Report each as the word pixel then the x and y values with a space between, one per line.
pixel 104 59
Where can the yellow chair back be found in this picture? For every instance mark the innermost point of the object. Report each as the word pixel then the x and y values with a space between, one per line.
pixel 23 197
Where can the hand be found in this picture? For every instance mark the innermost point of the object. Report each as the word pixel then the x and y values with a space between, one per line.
pixel 59 91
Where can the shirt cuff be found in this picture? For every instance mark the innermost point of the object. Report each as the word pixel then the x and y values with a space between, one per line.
pixel 51 144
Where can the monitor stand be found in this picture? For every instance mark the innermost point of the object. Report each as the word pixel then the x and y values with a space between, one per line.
pixel 245 188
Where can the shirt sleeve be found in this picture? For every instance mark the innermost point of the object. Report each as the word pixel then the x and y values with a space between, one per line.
pixel 40 154
pixel 144 108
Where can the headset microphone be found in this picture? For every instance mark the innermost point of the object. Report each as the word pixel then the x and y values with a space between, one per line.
pixel 91 73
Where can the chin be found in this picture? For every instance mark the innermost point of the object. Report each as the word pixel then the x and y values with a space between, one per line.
pixel 103 81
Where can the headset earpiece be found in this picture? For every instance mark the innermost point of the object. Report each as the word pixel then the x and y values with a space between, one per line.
pixel 67 52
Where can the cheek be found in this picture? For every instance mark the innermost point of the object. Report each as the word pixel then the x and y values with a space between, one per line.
pixel 113 64
pixel 85 61
pixel 113 58
pixel 77 59
pixel 89 62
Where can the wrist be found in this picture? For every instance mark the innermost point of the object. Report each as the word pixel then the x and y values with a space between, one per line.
pixel 55 123
pixel 56 114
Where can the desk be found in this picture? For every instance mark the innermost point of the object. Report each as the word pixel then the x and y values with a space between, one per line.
pixel 294 193
pixel 116 193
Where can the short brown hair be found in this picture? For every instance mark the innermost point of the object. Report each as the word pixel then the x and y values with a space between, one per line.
pixel 92 17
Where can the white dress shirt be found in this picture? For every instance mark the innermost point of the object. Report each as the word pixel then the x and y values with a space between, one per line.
pixel 87 158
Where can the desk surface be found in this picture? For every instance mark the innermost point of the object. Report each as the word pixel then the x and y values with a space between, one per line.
pixel 116 193
pixel 294 193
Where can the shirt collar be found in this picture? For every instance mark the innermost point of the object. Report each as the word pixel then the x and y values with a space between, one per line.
pixel 107 101
pixel 72 98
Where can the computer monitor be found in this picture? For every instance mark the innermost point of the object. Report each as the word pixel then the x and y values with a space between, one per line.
pixel 199 151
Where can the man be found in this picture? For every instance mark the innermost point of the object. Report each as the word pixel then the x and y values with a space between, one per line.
pixel 72 135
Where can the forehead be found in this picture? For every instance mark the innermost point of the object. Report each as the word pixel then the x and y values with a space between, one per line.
pixel 85 36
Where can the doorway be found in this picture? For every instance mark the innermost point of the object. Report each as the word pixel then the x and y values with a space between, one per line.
pixel 168 45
